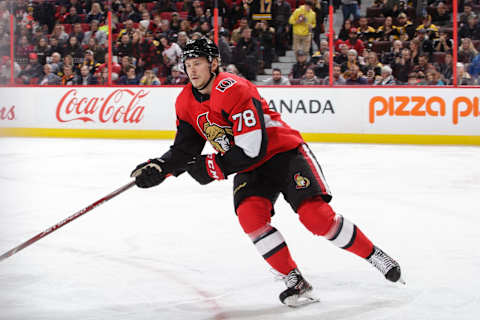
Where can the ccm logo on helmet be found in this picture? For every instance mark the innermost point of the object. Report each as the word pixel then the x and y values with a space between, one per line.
pixel 225 84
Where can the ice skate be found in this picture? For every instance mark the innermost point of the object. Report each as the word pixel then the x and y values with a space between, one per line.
pixel 298 292
pixel 386 265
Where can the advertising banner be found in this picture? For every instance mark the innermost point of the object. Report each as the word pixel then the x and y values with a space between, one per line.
pixel 323 114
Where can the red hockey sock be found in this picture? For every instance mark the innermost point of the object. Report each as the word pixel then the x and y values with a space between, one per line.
pixel 254 217
pixel 320 219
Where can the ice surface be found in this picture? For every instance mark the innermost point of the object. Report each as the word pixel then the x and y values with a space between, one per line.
pixel 177 251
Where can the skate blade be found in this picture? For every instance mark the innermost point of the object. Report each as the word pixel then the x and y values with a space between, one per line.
pixel 401 281
pixel 300 301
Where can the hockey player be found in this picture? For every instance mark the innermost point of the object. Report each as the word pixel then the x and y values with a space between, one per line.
pixel 267 157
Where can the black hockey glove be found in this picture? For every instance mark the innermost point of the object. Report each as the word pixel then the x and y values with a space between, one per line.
pixel 150 173
pixel 205 169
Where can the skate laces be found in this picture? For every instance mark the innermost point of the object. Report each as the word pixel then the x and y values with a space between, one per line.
pixel 382 261
pixel 290 280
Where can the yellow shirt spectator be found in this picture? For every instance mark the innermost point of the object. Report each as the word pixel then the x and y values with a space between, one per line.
pixel 303 20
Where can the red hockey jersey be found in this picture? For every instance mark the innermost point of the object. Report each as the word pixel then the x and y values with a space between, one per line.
pixel 237 122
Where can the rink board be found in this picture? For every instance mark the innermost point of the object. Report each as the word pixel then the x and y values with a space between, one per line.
pixel 363 115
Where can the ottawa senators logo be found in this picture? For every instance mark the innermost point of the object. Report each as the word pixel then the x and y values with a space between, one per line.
pixel 301 181
pixel 225 84
pixel 220 138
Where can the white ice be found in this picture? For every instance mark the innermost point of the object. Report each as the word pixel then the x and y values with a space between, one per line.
pixel 177 252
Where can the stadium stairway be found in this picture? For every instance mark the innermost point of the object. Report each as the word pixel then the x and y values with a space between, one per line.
pixel 285 64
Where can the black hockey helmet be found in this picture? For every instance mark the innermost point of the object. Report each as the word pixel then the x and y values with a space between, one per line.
pixel 202 47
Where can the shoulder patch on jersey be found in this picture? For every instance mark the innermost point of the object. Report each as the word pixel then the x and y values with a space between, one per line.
pixel 225 84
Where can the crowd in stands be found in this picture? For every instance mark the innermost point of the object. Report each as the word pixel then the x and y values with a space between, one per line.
pixel 395 42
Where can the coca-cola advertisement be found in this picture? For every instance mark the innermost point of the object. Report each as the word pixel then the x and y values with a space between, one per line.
pixel 115 106
pixel 7 113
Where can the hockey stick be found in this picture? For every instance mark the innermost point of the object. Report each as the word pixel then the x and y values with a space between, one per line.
pixel 67 220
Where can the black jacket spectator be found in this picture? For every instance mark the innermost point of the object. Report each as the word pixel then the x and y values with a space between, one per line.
pixel 246 55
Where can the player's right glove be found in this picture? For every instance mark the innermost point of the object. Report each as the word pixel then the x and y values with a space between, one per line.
pixel 150 173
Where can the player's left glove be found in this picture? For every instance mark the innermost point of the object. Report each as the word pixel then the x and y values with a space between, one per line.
pixel 205 169
pixel 150 173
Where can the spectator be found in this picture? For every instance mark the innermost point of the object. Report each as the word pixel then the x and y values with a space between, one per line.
pixel 344 32
pixel 403 66
pixel 338 78
pixel 246 55
pixel 130 30
pixel 223 46
pixel 55 47
pixel 445 68
pixel 4 40
pixel 76 4
pixel 98 51
pixel 433 78
pixel 320 13
pixel 412 79
pixel 183 38
pixel 23 50
pixel 300 67
pixel 42 50
pixel 463 77
pixel 373 63
pixel 425 45
pixel 443 43
pixel 33 71
pixel 474 67
pixel 130 78
pixel 342 55
pixel 303 20
pixel 405 27
pixel 265 36
pixel 74 49
pixel 49 78
pixel 350 8
pixel 5 66
pixel 309 78
pixel 441 16
pixel 176 77
pixel 86 78
pixel 353 42
pixel 277 79
pixel 386 78
pixel 364 31
pixel 237 32
pixel 423 64
pixel 165 6
pixel 393 8
pixel 387 31
pixel 130 13
pixel 73 16
pixel 352 59
pixel 59 34
pixel 124 46
pixel 280 13
pixel 467 12
pixel 319 63
pixel 393 54
pixel 233 70
pixel 149 79
pixel 56 63
pixel 353 76
pixel 471 29
pixel 429 27
pixel 78 32
pixel 96 33
pixel 175 22
pixel 172 53
pixel 68 78
pixel 90 62
pixel 467 51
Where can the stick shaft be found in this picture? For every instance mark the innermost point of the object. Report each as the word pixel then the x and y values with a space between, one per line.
pixel 66 221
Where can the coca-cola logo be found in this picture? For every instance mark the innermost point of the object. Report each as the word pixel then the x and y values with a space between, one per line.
pixel 7 113
pixel 121 105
